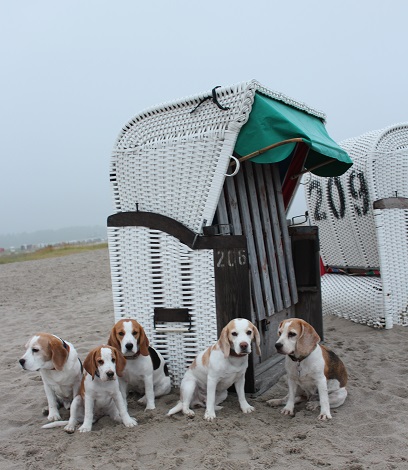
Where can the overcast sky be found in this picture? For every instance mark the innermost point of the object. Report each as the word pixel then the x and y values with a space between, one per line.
pixel 75 71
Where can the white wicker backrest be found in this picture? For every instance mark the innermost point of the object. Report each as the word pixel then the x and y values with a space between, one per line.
pixel 172 161
pixel 342 207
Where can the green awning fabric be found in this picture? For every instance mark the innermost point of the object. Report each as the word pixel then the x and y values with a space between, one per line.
pixel 273 121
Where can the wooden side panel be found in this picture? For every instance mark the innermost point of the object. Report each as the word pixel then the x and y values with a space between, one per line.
pixel 232 293
pixel 306 256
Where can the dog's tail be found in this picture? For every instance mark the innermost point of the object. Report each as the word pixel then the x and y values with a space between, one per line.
pixel 54 424
pixel 176 409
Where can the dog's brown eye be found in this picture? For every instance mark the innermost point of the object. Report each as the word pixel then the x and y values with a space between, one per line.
pixel 35 350
pixel 291 334
pixel 249 332
pixel 121 333
pixel 100 362
pixel 113 360
pixel 134 333
pixel 234 333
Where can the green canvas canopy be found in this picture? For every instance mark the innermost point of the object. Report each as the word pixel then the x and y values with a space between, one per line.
pixel 272 121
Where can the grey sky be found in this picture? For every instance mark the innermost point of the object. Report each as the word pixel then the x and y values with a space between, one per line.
pixel 75 71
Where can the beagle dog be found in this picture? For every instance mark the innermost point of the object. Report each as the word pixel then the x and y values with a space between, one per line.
pixel 60 369
pixel 99 393
pixel 214 370
pixel 145 370
pixel 314 372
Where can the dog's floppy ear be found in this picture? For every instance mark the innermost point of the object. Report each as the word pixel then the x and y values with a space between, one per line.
pixel 59 353
pixel 113 339
pixel 307 340
pixel 120 361
pixel 257 339
pixel 224 342
pixel 90 363
pixel 143 341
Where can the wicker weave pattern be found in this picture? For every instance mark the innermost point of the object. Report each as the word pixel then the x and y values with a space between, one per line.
pixel 153 269
pixel 362 237
pixel 359 299
pixel 392 234
pixel 158 182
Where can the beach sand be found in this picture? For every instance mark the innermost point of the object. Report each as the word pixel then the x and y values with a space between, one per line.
pixel 71 297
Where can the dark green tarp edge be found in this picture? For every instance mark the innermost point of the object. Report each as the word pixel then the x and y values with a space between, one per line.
pixel 273 121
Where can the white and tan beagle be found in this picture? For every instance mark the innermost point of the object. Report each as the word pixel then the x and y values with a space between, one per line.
pixel 99 393
pixel 59 367
pixel 214 370
pixel 314 372
pixel 145 371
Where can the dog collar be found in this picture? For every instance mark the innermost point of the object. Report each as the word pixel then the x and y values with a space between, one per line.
pixel 301 358
pixel 297 359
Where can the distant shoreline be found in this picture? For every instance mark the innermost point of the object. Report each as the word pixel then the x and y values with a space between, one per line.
pixel 63 249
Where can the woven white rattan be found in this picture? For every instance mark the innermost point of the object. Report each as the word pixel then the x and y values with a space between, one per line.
pixel 392 235
pixel 359 299
pixel 172 159
pixel 153 269
pixel 354 235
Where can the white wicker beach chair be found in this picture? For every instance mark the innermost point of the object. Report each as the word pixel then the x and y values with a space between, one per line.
pixel 363 227
pixel 169 165
pixel 172 160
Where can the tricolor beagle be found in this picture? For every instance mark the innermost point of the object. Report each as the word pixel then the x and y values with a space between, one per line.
pixel 99 393
pixel 60 369
pixel 145 370
pixel 314 372
pixel 214 370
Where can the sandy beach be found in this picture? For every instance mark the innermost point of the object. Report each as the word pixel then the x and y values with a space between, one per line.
pixel 71 297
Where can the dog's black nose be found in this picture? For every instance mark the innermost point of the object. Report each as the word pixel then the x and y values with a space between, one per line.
pixel 22 362
pixel 243 346
pixel 278 346
pixel 129 346
pixel 110 374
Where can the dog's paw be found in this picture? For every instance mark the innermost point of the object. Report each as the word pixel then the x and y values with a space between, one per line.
pixel 248 409
pixel 189 413
pixel 287 412
pixel 85 428
pixel 69 429
pixel 209 415
pixel 130 422
pixel 142 401
pixel 312 405
pixel 54 417
pixel 324 416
